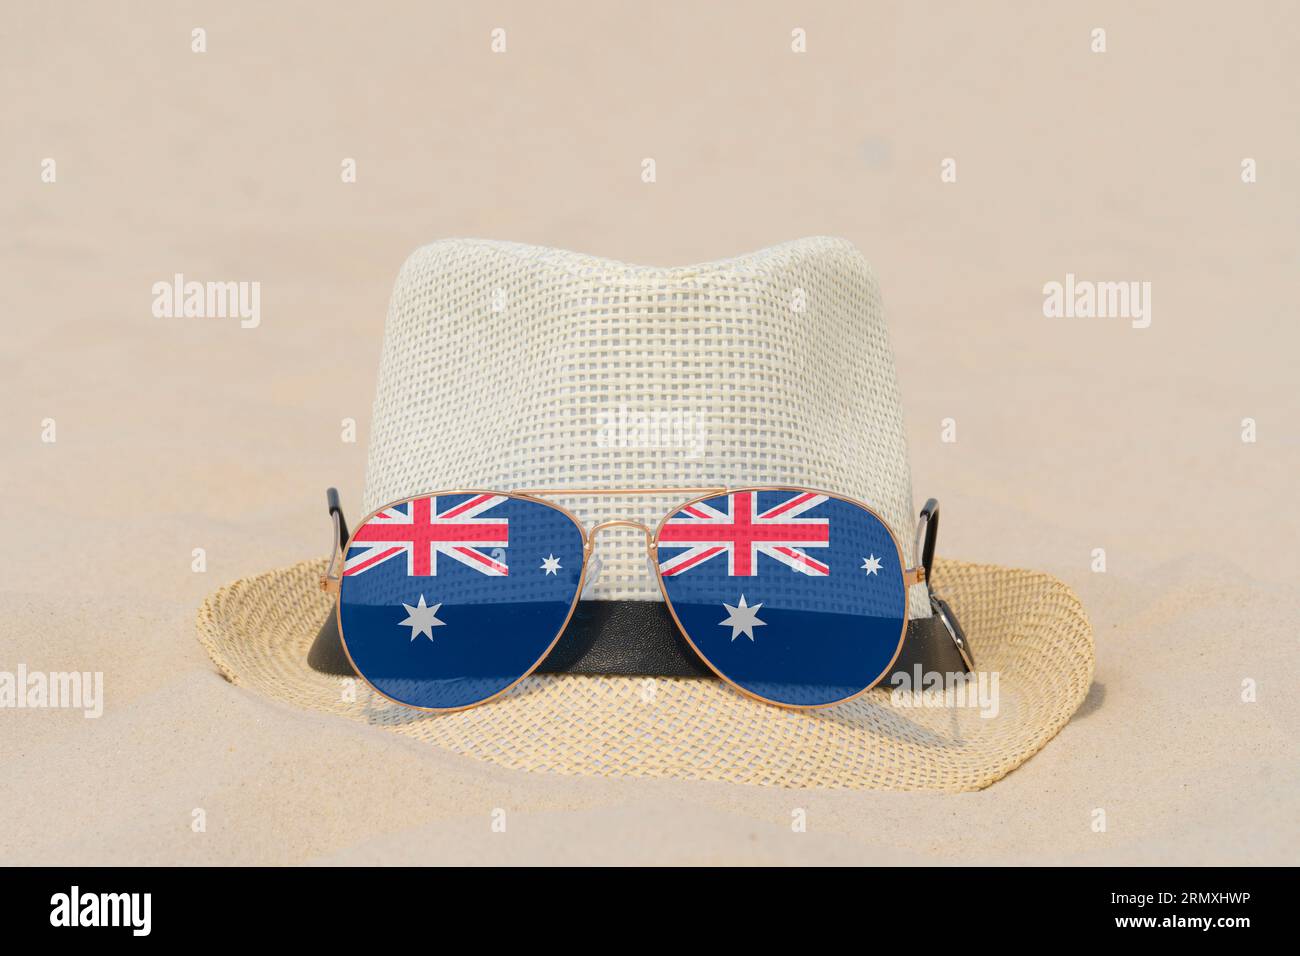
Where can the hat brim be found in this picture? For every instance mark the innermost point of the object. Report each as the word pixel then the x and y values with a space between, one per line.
pixel 1032 641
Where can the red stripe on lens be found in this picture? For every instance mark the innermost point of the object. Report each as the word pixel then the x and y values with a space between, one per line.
pixel 357 569
pixel 702 556
pixel 792 503
pixel 470 553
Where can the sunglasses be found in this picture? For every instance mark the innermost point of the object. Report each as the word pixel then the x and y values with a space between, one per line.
pixel 793 596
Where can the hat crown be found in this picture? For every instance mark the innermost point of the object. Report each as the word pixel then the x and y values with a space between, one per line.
pixel 508 366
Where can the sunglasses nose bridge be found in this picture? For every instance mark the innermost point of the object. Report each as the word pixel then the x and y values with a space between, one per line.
pixel 619 523
pixel 594 565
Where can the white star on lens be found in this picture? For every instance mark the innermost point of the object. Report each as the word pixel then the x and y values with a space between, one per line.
pixel 551 564
pixel 421 619
pixel 871 565
pixel 742 619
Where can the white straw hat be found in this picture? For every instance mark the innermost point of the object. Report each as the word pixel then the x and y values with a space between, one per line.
pixel 507 367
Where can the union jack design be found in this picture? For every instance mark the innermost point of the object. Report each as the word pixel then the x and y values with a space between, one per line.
pixel 742 534
pixel 420 531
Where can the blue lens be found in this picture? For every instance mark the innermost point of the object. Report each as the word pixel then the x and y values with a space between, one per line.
pixel 796 597
pixel 448 600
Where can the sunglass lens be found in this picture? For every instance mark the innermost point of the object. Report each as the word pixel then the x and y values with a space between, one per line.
pixel 448 600
pixel 795 597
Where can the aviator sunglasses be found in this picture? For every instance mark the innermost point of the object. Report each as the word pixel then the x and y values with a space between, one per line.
pixel 793 596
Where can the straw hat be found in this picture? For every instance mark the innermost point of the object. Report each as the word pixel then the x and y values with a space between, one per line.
pixel 508 367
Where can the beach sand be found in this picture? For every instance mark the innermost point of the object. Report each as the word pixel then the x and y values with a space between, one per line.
pixel 1072 434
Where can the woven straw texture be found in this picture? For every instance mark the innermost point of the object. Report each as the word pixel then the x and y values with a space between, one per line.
pixel 508 366
pixel 1027 627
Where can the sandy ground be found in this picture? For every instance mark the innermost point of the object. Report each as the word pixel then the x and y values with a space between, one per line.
pixel 1073 434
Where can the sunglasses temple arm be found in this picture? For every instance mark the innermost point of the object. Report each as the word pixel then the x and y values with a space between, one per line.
pixel 330 580
pixel 927 534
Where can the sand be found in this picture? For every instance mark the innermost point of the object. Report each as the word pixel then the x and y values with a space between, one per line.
pixel 1072 433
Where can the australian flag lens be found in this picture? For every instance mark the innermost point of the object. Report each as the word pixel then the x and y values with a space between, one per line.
pixel 447 600
pixel 796 597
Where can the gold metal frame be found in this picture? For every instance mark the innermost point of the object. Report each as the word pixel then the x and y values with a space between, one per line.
pixel 910 576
